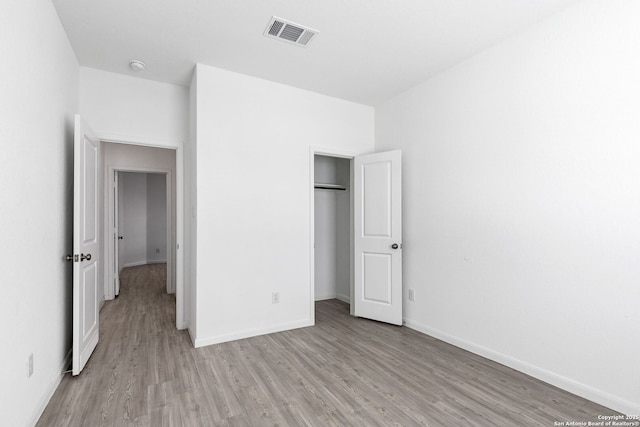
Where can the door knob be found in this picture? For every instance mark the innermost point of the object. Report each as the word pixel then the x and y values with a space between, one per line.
pixel 120 237
pixel 85 257
pixel 69 258
pixel 395 246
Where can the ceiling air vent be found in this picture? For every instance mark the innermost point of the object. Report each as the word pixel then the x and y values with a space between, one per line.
pixel 289 32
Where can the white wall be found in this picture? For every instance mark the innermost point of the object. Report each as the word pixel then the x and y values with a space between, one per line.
pixel 156 218
pixel 325 244
pixel 130 109
pixel 522 200
pixel 133 227
pixel 343 245
pixel 344 232
pixel 144 218
pixel 254 188
pixel 39 87
pixel 189 208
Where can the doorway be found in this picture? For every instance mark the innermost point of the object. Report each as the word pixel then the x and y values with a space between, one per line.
pixel 141 167
pixel 332 209
pixel 142 221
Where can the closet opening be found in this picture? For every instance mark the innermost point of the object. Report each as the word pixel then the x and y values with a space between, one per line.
pixel 332 224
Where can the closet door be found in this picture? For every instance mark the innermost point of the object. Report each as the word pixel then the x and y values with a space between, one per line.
pixel 378 237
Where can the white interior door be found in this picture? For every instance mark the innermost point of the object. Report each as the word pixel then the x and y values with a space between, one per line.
pixel 85 244
pixel 378 237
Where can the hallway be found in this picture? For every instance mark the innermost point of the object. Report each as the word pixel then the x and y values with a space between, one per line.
pixel 138 340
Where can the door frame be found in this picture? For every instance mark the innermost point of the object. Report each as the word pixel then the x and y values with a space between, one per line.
pixel 182 308
pixel 342 154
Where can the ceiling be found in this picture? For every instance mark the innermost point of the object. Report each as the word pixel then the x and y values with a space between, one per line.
pixel 366 51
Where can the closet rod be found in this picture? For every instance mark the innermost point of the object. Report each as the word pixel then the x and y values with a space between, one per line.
pixel 329 187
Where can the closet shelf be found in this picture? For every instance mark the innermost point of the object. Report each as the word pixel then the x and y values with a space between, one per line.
pixel 321 186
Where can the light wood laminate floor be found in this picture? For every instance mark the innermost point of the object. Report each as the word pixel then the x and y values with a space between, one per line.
pixel 344 371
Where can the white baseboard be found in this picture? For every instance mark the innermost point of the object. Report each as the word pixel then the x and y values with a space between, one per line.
pixel 51 388
pixel 182 325
pixel 192 336
pixel 324 297
pixel 598 396
pixel 344 298
pixel 134 264
pixel 248 333
pixel 146 262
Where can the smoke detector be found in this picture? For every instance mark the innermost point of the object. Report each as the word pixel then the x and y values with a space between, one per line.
pixel 289 32
pixel 136 65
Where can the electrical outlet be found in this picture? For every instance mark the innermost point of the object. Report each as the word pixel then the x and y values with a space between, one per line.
pixel 30 365
pixel 412 295
pixel 275 297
